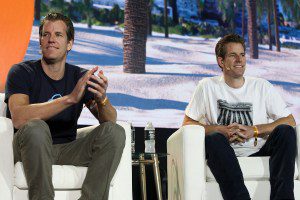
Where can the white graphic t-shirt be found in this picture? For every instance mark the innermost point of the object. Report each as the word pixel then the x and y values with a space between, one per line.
pixel 256 102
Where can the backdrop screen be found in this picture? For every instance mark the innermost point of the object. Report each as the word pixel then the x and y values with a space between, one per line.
pixel 174 66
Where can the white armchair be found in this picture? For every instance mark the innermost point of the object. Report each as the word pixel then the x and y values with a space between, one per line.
pixel 190 178
pixel 67 180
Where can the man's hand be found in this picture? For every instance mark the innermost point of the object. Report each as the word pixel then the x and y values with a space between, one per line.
pixel 104 111
pixel 236 139
pixel 231 132
pixel 243 132
pixel 98 86
pixel 79 89
pixel 228 131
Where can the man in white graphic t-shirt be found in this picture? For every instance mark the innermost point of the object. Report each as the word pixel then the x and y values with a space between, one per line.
pixel 236 112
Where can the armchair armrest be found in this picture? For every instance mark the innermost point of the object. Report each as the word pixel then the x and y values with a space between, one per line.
pixel 6 157
pixel 122 180
pixel 2 105
pixel 186 163
pixel 298 149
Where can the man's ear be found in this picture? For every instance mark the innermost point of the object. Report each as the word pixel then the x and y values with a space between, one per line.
pixel 220 61
pixel 70 45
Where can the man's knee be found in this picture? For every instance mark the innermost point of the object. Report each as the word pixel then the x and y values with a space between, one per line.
pixel 286 133
pixel 36 131
pixel 215 143
pixel 216 139
pixel 116 134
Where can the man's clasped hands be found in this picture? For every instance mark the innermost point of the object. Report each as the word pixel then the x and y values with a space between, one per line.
pixel 238 133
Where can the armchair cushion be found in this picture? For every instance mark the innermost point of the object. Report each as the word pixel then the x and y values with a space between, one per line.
pixel 63 176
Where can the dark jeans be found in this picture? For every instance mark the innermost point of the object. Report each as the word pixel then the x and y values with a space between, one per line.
pixel 100 151
pixel 280 146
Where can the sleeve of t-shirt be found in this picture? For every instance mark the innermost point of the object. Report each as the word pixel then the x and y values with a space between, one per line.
pixel 17 82
pixel 196 107
pixel 276 106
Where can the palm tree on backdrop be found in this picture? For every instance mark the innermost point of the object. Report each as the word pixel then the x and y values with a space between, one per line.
pixel 200 6
pixel 88 10
pixel 243 18
pixel 37 10
pixel 291 8
pixel 59 6
pixel 135 36
pixel 150 6
pixel 276 25
pixel 227 8
pixel 235 11
pixel 269 7
pixel 252 28
pixel 166 19
pixel 173 4
pixel 266 6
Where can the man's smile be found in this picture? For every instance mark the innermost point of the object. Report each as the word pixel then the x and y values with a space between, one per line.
pixel 238 66
pixel 51 47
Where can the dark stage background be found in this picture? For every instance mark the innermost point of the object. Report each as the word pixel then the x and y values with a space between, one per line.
pixel 161 136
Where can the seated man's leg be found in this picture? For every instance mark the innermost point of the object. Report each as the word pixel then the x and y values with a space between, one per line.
pixel 100 151
pixel 225 167
pixel 32 145
pixel 281 147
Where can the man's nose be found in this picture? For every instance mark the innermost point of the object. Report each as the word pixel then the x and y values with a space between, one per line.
pixel 238 58
pixel 52 38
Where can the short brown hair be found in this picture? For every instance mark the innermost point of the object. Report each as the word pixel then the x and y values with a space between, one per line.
pixel 54 16
pixel 220 49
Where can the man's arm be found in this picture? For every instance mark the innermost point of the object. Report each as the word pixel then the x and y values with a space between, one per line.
pixel 268 128
pixel 265 129
pixel 22 111
pixel 101 107
pixel 103 112
pixel 227 131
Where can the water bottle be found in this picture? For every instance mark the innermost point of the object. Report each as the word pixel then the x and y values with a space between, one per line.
pixel 149 138
pixel 132 138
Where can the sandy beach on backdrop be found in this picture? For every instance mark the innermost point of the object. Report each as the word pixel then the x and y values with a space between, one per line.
pixel 174 66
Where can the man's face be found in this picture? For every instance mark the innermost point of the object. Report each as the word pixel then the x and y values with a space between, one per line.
pixel 234 62
pixel 54 42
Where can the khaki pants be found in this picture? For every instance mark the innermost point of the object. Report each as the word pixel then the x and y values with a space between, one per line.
pixel 100 151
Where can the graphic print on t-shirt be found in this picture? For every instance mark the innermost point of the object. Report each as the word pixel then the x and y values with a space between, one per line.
pixel 240 113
